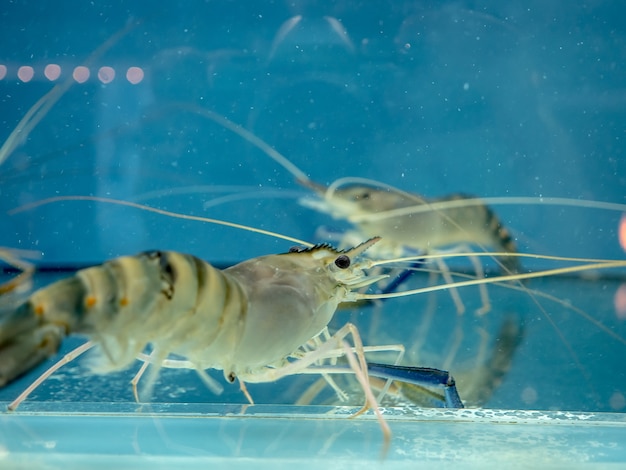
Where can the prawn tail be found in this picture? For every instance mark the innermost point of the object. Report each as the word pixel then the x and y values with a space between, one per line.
pixel 32 332
pixel 504 241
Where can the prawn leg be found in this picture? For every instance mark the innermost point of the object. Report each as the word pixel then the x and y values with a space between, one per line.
pixel 25 269
pixel 336 346
pixel 420 376
pixel 69 357
pixel 479 381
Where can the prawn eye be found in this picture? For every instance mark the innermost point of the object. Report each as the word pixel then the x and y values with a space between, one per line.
pixel 342 262
pixel 360 196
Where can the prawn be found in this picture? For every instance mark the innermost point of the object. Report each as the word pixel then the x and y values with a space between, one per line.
pixel 171 295
pixel 431 224
pixel 247 320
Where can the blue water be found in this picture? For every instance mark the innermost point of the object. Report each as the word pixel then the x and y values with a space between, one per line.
pixel 486 98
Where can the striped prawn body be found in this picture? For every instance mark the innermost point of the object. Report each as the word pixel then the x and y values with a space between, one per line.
pixel 240 320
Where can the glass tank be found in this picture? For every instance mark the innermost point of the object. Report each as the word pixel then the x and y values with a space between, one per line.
pixel 482 141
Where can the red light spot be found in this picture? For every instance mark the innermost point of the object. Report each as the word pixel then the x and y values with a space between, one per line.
pixel 39 310
pixel 90 301
pixel 52 71
pixel 3 71
pixel 123 301
pixel 25 73
pixel 622 232
pixel 81 74
pixel 620 302
pixel 134 75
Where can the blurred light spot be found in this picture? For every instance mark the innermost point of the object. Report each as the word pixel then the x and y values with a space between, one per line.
pixel 25 73
pixel 52 71
pixel 50 444
pixel 617 401
pixel 622 232
pixel 81 74
pixel 3 71
pixel 620 302
pixel 529 395
pixel 106 74
pixel 134 75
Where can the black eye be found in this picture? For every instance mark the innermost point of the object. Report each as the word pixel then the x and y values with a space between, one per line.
pixel 342 262
pixel 295 249
pixel 361 196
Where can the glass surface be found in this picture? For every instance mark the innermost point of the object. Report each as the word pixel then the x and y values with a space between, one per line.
pixel 521 105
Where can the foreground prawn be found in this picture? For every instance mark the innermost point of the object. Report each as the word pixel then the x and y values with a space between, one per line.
pixel 250 316
pixel 248 320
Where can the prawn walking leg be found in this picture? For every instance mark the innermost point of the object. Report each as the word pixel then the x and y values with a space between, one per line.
pixel 69 357
pixel 26 270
